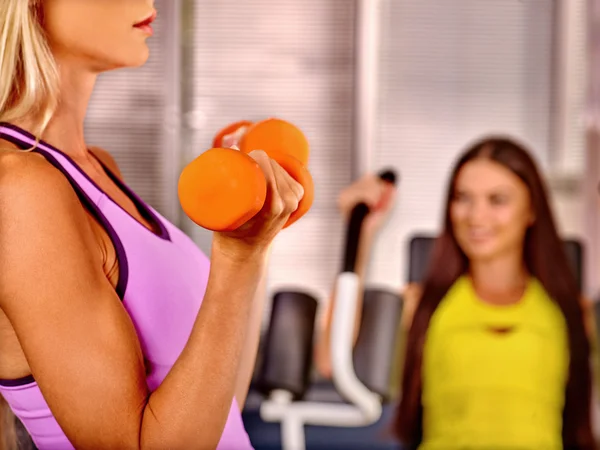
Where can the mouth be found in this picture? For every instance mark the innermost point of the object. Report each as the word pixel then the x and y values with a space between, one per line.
pixel 479 236
pixel 147 22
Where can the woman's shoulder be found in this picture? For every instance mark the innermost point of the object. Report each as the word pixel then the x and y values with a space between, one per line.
pixel 411 296
pixel 107 159
pixel 22 171
pixel 31 188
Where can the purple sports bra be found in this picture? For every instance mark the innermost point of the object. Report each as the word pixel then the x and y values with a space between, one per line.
pixel 162 281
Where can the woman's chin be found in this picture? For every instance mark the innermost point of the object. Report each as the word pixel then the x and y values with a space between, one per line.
pixel 481 250
pixel 141 58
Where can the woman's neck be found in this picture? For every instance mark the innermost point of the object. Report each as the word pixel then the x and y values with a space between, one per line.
pixel 65 130
pixel 500 280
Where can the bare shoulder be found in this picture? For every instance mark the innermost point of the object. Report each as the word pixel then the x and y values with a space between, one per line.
pixel 27 179
pixel 589 320
pixel 37 205
pixel 8 146
pixel 43 225
pixel 411 296
pixel 107 159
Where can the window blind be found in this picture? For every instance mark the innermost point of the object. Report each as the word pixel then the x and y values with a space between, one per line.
pixel 572 26
pixel 131 116
pixel 452 71
pixel 294 60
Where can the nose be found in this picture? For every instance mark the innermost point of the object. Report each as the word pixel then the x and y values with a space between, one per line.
pixel 477 212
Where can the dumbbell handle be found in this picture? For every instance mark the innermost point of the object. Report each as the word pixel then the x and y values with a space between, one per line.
pixel 359 212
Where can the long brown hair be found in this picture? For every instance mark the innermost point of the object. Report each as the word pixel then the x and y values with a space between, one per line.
pixel 546 260
pixel 8 433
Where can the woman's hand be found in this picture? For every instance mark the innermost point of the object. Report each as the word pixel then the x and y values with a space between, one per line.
pixel 376 193
pixel 256 235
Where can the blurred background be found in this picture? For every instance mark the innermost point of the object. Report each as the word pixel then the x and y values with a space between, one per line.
pixel 373 83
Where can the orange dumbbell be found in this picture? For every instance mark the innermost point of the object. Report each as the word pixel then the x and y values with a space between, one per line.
pixel 231 135
pixel 223 188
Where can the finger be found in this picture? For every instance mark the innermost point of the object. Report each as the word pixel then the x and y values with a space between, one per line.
pixel 264 162
pixel 273 203
pixel 295 187
pixel 370 194
pixel 370 190
pixel 387 196
pixel 289 194
pixel 374 195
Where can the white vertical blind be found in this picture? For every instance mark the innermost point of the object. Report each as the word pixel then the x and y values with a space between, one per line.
pixel 569 156
pixel 592 215
pixel 129 116
pixel 450 72
pixel 294 60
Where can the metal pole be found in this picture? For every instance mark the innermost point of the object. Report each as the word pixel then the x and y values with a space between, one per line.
pixel 170 11
pixel 565 86
pixel 366 84
pixel 592 175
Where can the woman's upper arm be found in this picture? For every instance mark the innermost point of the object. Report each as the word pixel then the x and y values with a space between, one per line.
pixel 80 343
pixel 589 320
pixel 411 296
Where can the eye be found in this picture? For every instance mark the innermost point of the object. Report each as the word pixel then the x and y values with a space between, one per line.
pixel 499 199
pixel 460 197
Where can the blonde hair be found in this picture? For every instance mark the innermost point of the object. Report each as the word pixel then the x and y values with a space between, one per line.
pixel 28 73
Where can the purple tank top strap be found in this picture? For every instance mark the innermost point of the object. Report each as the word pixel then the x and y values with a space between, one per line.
pixel 88 192
pixel 63 162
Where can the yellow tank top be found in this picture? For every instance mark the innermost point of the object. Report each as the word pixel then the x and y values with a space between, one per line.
pixel 488 389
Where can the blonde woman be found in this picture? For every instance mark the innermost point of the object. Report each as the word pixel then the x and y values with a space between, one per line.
pixel 116 330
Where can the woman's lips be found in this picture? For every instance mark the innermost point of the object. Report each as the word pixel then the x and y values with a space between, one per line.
pixel 146 24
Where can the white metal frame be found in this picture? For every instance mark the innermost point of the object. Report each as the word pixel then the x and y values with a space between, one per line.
pixel 565 70
pixel 170 11
pixel 592 174
pixel 368 24
pixel 364 408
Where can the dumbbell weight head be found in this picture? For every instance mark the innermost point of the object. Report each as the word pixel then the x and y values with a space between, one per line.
pixel 232 133
pixel 276 135
pixel 222 189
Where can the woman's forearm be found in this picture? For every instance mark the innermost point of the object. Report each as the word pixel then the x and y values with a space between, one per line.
pixel 191 406
pixel 249 353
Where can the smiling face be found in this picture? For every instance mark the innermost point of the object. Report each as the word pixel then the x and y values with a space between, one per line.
pixel 490 210
pixel 98 35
